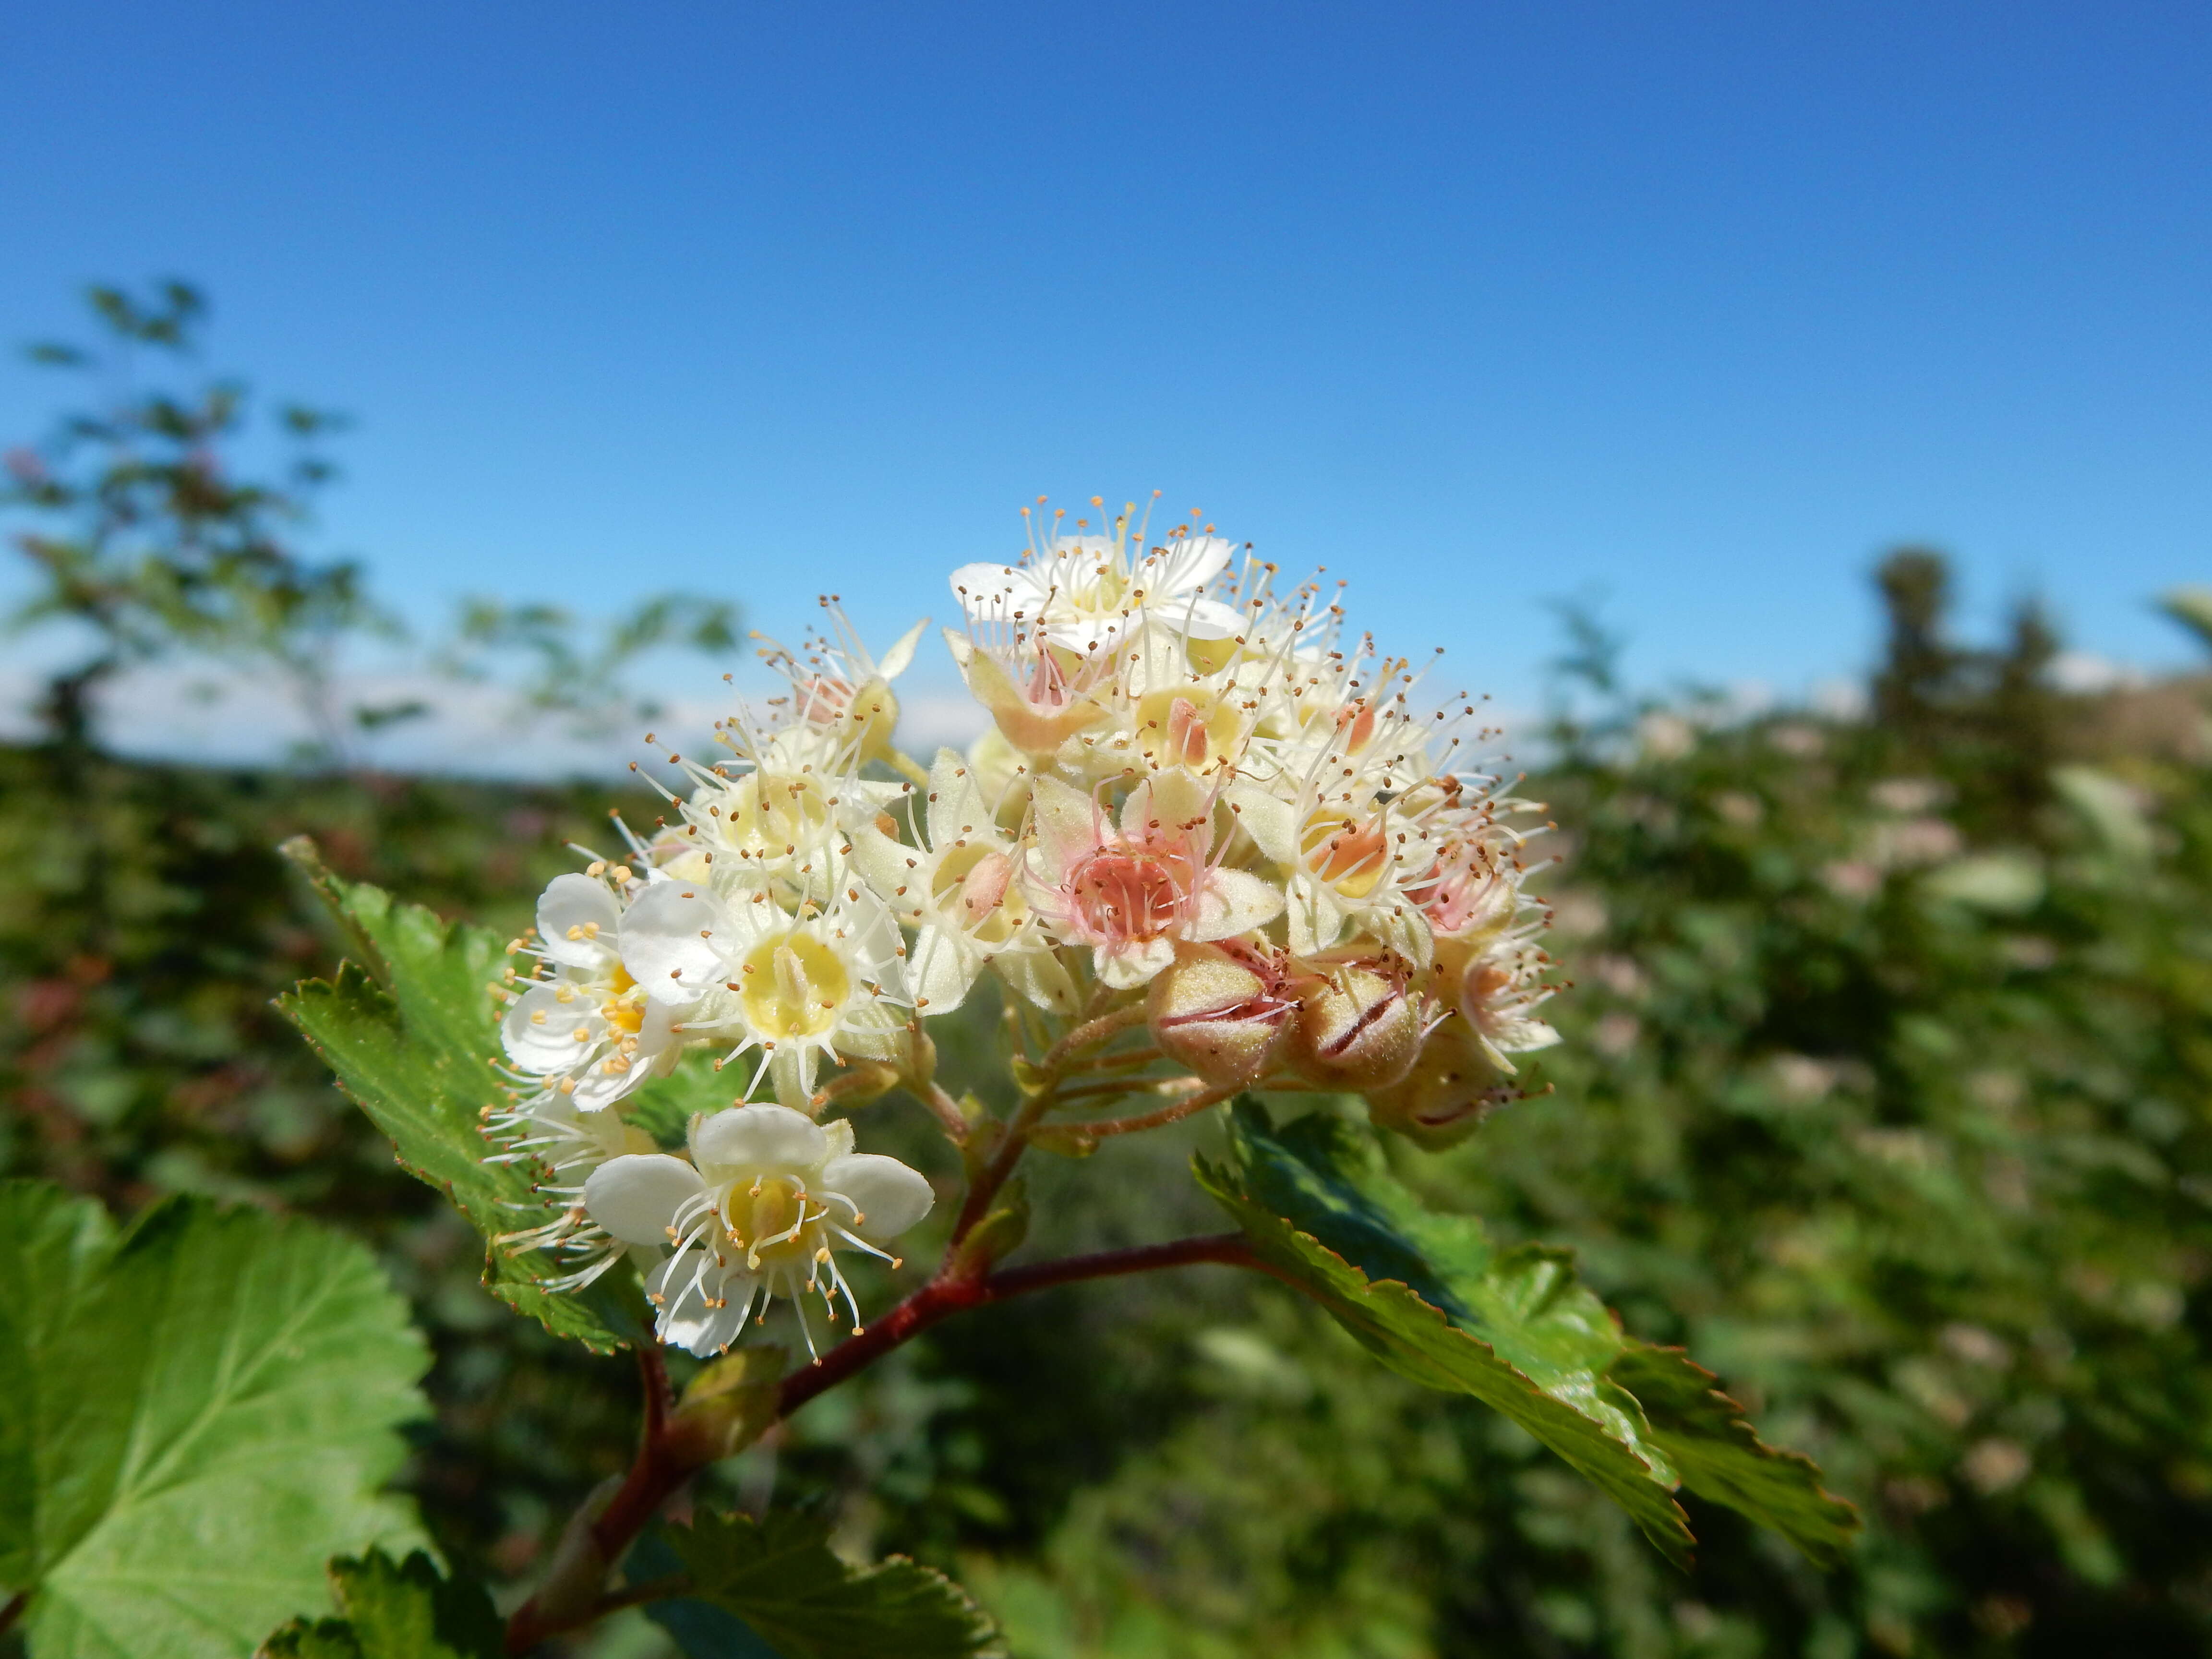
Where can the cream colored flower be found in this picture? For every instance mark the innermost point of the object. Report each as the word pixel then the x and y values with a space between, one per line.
pixel 1132 888
pixel 958 890
pixel 760 1210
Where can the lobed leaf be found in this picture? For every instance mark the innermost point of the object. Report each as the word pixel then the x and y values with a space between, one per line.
pixel 200 1410
pixel 1432 1298
pixel 395 1610
pixel 779 1576
pixel 410 1031
pixel 1720 1457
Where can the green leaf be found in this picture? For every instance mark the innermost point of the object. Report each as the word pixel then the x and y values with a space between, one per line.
pixel 412 1034
pixel 395 1610
pixel 199 1411
pixel 779 1577
pixel 664 1107
pixel 1720 1457
pixel 1432 1298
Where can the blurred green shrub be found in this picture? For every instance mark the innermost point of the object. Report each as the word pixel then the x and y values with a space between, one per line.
pixel 1888 1073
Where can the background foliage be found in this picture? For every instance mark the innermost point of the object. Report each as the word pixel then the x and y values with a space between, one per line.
pixel 1884 1092
pixel 1887 1075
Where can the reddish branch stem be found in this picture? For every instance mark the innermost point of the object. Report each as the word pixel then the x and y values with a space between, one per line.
pixel 942 1297
pixel 1174 1112
pixel 657 1472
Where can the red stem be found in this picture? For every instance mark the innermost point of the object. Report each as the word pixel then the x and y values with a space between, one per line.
pixel 942 1297
pixel 656 1474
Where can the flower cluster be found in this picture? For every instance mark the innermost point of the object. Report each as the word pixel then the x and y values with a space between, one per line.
pixel 1201 805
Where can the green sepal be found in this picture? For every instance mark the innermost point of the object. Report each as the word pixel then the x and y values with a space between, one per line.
pixel 1064 1139
pixel 1000 1231
pixel 728 1405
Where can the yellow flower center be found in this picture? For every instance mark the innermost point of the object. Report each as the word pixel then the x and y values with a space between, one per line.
pixel 1189 727
pixel 773 1221
pixel 793 986
pixel 770 814
pixel 1346 853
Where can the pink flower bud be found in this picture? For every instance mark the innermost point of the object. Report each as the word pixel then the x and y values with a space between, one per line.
pixel 1452 1087
pixel 1218 1011
pixel 1357 1029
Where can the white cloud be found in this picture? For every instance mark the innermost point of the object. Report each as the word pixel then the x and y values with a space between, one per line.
pixel 228 716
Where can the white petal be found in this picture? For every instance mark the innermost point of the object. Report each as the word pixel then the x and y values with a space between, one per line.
pixel 1525 1036
pixel 757 1137
pixel 1083 633
pixel 1134 964
pixel 685 1320
pixel 873 1030
pixel 838 1132
pixel 579 904
pixel 599 1088
pixel 1273 825
pixel 1203 618
pixel 956 804
pixel 1316 919
pixel 1172 800
pixel 1187 566
pixel 902 653
pixel 1039 975
pixel 550 1044
pixel 889 1196
pixel 1233 902
pixel 658 1033
pixel 636 1197
pixel 1067 824
pixel 882 863
pixel 996 591
pixel 667 941
pixel 941 969
pixel 791 1074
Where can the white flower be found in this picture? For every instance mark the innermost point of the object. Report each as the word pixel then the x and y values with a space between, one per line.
pixel 839 689
pixel 767 1199
pixel 1131 889
pixel 1084 592
pixel 959 892
pixel 786 818
pixel 1346 857
pixel 590 1030
pixel 820 983
pixel 1499 992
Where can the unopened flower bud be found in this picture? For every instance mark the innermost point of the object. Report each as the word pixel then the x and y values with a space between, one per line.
pixel 1219 1014
pixel 1357 1029
pixel 1452 1087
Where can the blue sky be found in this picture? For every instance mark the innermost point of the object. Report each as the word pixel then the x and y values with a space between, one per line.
pixel 1698 307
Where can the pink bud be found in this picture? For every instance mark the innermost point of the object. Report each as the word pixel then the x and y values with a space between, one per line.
pixel 1357 1029
pixel 1451 1088
pixel 1219 1013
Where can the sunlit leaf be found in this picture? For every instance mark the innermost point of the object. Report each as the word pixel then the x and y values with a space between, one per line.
pixel 408 1026
pixel 1431 1298
pixel 199 1411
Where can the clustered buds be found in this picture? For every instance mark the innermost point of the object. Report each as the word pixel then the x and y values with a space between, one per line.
pixel 1198 794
